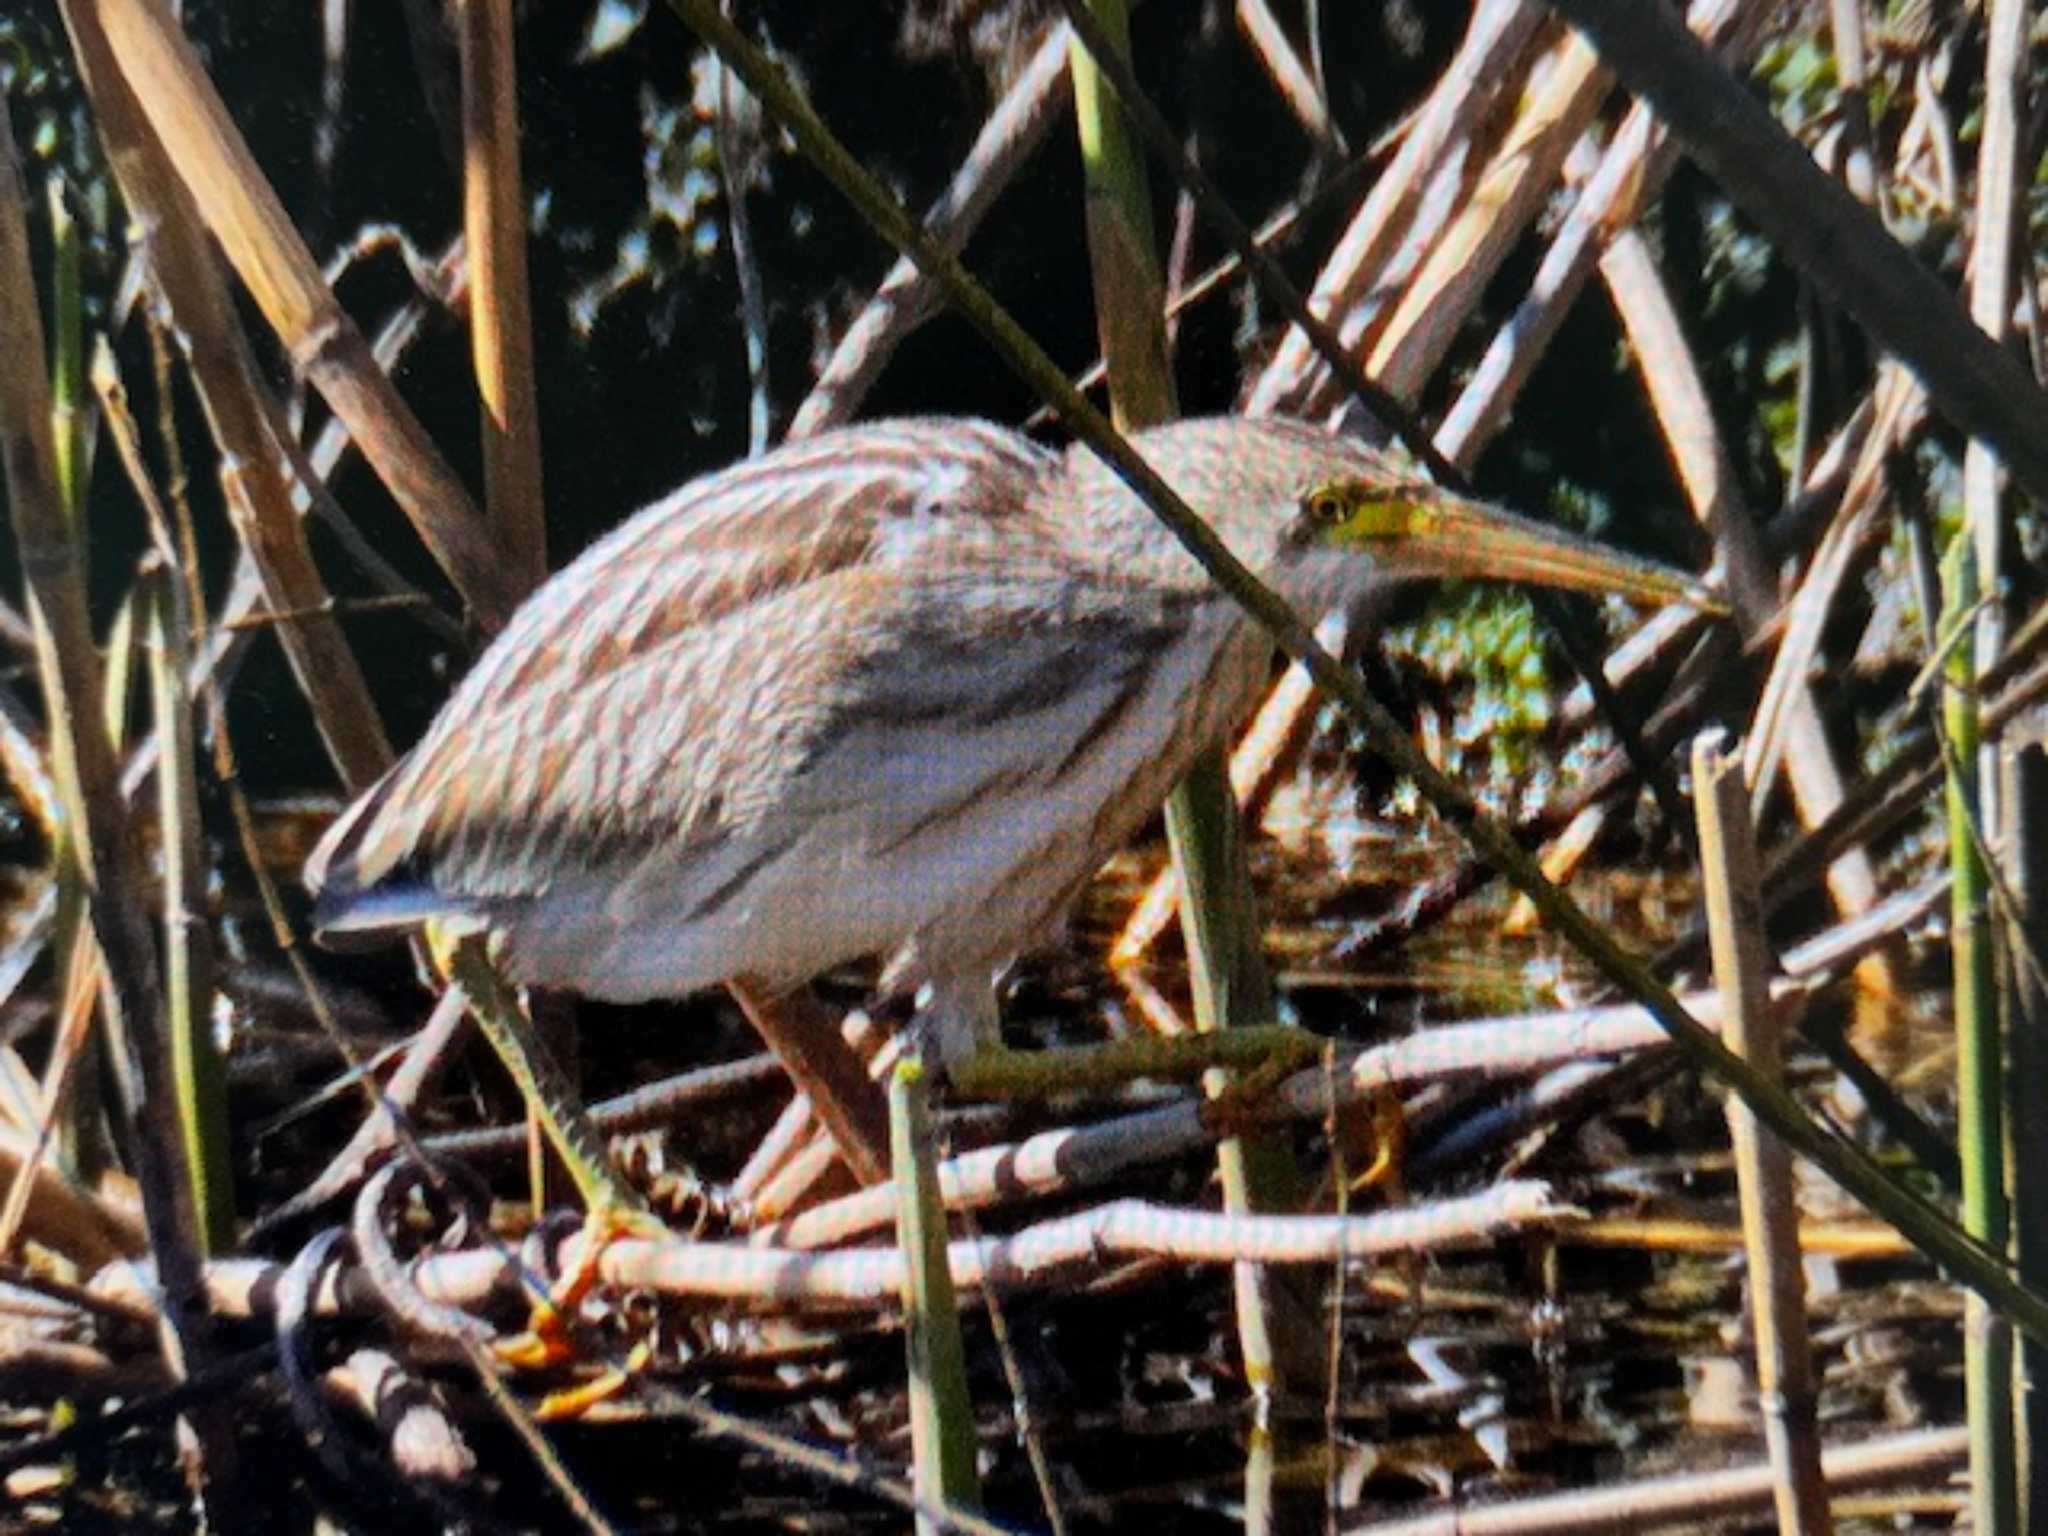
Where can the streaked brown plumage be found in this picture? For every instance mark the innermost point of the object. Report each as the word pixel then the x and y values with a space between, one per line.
pixel 893 690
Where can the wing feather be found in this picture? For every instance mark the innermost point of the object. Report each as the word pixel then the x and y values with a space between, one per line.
pixel 666 685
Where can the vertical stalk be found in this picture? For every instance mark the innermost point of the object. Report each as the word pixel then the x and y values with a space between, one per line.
pixel 2002 158
pixel 1980 1134
pixel 2000 216
pixel 942 1437
pixel 501 356
pixel 1282 1351
pixel 1763 1168
pixel 196 1066
pixel 500 327
pixel 70 420
pixel 241 414
pixel 2026 838
pixel 82 1141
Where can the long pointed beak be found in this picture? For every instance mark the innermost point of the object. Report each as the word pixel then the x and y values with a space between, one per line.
pixel 1459 537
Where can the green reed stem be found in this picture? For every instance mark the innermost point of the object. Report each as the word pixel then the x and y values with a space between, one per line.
pixel 84 1144
pixel 197 1070
pixel 2023 803
pixel 1980 1122
pixel 942 1436
pixel 1219 918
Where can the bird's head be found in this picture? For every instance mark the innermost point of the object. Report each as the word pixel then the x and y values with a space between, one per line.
pixel 1320 513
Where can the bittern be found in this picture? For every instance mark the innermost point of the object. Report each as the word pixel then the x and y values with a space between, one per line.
pixel 895 691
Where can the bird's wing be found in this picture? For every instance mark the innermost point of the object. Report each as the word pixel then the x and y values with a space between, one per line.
pixel 665 683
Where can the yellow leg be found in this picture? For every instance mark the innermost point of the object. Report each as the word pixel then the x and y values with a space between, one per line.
pixel 574 1402
pixel 547 1340
pixel 546 1089
pixel 1386 1133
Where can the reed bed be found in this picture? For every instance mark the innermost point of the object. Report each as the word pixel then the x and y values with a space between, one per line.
pixel 1471 1245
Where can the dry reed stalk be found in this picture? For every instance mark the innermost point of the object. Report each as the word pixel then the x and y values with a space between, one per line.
pixel 500 313
pixel 444 285
pixel 1688 1498
pixel 1512 188
pixel 1787 1390
pixel 1833 1239
pixel 70 1043
pixel 1849 542
pixel 1822 230
pixel 814 1172
pixel 1290 76
pixel 781 1142
pixel 240 416
pixel 844 1098
pixel 111 874
pixel 134 45
pixel 1562 856
pixel 1678 395
pixel 88 1229
pixel 906 297
pixel 1636 163
pixel 869 1279
pixel 770 1172
pixel 1499 33
pixel 25 766
pixel 1994 282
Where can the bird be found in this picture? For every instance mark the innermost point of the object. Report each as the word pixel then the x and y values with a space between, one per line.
pixel 896 690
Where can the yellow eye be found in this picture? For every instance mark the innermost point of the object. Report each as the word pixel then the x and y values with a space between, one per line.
pixel 1328 506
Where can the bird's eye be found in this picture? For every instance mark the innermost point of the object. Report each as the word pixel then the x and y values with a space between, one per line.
pixel 1327 506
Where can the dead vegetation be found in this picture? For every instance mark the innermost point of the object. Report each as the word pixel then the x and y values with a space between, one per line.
pixel 274 1274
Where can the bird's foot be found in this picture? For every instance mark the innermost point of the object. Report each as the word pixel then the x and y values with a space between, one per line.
pixel 549 1340
pixel 1384 1136
pixel 574 1402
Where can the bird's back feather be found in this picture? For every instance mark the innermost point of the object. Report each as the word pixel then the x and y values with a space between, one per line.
pixel 664 687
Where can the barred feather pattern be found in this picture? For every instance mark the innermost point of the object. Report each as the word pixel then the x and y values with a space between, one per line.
pixel 892 690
